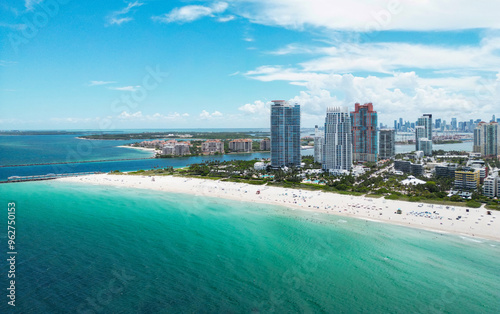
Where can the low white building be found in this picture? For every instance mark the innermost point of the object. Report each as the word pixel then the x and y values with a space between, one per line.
pixel 411 180
pixel 260 165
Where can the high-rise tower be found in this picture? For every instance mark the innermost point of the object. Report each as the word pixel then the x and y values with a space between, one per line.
pixel 364 133
pixel 285 134
pixel 337 148
pixel 425 132
pixel 387 144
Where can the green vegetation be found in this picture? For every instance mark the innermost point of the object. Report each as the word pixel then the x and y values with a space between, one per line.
pixel 376 182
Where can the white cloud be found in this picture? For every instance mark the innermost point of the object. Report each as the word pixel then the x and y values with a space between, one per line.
pixel 117 18
pixel 127 116
pixel 205 115
pixel 257 108
pixel 224 19
pixel 191 13
pixel 138 116
pixel 97 83
pixel 386 57
pixel 126 88
pixel 365 15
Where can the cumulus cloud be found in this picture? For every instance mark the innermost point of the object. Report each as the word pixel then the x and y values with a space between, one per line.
pixel 125 115
pixel 138 116
pixel 205 115
pixel 257 108
pixel 191 13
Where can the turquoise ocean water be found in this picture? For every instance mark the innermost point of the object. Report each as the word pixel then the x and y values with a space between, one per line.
pixel 95 249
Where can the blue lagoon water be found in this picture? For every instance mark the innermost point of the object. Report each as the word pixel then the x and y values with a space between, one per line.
pixel 15 150
pixel 116 250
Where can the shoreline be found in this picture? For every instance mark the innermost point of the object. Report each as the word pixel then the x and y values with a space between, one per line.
pixel 151 150
pixel 475 223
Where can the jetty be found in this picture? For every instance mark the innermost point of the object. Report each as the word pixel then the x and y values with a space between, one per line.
pixel 49 176
pixel 73 162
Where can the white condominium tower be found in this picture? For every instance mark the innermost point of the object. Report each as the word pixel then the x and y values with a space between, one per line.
pixel 319 138
pixel 487 139
pixel 337 148
pixel 423 134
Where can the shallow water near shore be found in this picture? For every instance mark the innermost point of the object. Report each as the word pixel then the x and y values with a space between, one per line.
pixel 106 249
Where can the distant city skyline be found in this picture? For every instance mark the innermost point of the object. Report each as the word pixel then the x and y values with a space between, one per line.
pixel 218 64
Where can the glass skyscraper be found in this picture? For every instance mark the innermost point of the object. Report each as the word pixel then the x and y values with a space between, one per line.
pixel 487 139
pixel 364 133
pixel 337 148
pixel 285 134
pixel 387 144
pixel 425 131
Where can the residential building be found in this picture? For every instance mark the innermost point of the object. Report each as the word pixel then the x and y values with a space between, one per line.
pixel 265 144
pixel 402 165
pixel 337 147
pixel 425 146
pixel 417 169
pixel 241 145
pixel 175 148
pixel 364 133
pixel 387 144
pixel 408 167
pixel 467 178
pixel 446 170
pixel 210 147
pixel 426 132
pixel 486 139
pixel 319 138
pixel 491 186
pixel 285 134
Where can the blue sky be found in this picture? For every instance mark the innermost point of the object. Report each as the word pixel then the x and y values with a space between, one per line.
pixel 72 64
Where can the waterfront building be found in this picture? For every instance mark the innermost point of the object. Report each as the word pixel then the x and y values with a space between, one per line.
pixel 241 145
pixel 486 139
pixel 337 146
pixel 424 133
pixel 491 186
pixel 438 124
pixel 387 144
pixel 175 148
pixel 319 138
pixel 364 133
pixel 425 146
pixel 467 178
pixel 285 134
pixel 453 124
pixel 265 144
pixel 210 147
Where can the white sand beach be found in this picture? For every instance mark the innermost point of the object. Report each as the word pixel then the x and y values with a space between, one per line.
pixel 151 150
pixel 474 222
